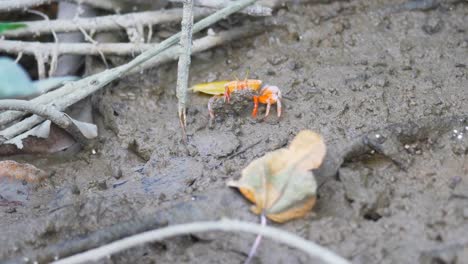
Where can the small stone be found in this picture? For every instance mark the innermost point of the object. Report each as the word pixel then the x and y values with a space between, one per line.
pixel 117 172
pixel 102 185
pixel 277 59
pixel 454 181
pixel 433 27
pixel 75 190
pixel 465 212
pixel 10 210
pixel 211 32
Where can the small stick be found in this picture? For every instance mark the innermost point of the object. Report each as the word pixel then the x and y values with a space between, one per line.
pixel 103 23
pixel 53 63
pixel 97 49
pixel 184 62
pixel 258 240
pixel 12 5
pixel 49 112
pixel 312 249
pixel 255 10
pixel 39 56
pixel 102 236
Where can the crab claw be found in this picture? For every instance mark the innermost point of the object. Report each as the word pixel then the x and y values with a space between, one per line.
pixel 268 95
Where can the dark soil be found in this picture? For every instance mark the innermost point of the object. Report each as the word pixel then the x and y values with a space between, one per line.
pixel 345 68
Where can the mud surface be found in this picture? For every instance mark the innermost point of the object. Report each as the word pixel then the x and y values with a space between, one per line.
pixel 344 68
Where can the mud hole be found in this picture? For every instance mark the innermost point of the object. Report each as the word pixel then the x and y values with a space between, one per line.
pixel 345 68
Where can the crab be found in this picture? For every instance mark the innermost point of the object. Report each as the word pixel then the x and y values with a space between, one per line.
pixel 250 84
pixel 252 89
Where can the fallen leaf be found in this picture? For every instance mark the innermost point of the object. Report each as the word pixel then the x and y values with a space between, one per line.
pixel 213 88
pixel 280 184
pixel 16 83
pixel 21 171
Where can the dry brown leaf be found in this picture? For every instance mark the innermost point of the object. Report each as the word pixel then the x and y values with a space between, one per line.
pixel 21 171
pixel 280 184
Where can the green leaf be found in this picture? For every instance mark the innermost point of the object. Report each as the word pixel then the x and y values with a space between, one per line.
pixel 10 26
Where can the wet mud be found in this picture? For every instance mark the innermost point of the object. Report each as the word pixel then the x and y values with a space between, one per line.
pixel 384 82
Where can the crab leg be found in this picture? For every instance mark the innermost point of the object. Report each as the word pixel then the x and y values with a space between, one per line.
pixel 268 108
pixel 278 107
pixel 255 109
pixel 210 108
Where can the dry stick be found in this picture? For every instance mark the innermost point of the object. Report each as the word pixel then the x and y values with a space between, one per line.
pixel 255 10
pixel 121 49
pixel 103 23
pixel 91 84
pixel 65 94
pixel 312 249
pixel 184 62
pixel 11 5
pixel 53 64
pixel 49 112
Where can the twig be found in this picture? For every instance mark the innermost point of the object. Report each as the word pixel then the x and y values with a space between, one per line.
pixel 258 240
pixel 14 46
pixel 49 112
pixel 79 244
pixel 70 64
pixel 255 10
pixel 11 5
pixel 91 84
pixel 39 56
pixel 53 63
pixel 64 94
pixel 103 23
pixel 312 249
pixel 184 62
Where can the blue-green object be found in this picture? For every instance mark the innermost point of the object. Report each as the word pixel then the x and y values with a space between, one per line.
pixel 10 26
pixel 16 83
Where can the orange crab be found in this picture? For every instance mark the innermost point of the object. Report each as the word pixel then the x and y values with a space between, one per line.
pixel 232 86
pixel 266 95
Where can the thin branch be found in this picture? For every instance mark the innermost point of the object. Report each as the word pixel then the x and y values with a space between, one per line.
pixel 184 62
pixel 11 5
pixel 254 10
pixel 46 111
pixel 15 47
pixel 65 95
pixel 53 63
pixel 312 249
pixel 103 23
pixel 258 240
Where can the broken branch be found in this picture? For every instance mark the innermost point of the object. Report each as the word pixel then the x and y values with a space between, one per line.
pixel 184 62
pixel 254 10
pixel 13 46
pixel 48 112
pixel 12 5
pixel 103 23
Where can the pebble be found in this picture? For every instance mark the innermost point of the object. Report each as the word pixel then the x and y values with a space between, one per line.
pixel 277 59
pixel 465 212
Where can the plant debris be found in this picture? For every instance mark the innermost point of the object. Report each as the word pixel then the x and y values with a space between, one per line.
pixel 281 183
pixel 21 171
